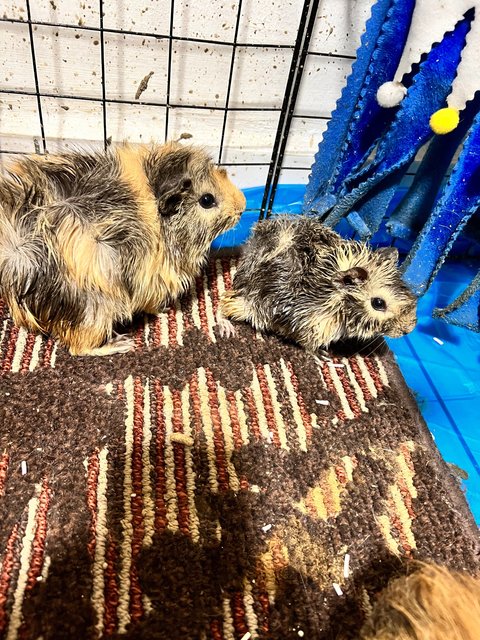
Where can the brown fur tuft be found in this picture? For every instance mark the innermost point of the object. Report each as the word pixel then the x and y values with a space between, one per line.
pixel 430 604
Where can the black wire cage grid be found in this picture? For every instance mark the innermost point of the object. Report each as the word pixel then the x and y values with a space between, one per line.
pixel 284 113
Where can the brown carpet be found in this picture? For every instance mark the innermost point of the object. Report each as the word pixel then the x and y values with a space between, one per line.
pixel 206 487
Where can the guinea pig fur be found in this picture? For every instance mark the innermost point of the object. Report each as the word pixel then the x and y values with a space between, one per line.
pixel 87 240
pixel 301 280
pixel 432 603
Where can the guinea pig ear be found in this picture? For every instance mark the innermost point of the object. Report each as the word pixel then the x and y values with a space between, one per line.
pixel 353 277
pixel 388 254
pixel 171 196
pixel 169 175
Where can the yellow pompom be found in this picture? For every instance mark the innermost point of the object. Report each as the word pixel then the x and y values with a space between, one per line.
pixel 444 120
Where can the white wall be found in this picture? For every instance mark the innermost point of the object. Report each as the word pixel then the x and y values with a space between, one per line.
pixel 69 64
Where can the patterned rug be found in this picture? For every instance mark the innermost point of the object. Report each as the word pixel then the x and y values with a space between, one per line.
pixel 211 488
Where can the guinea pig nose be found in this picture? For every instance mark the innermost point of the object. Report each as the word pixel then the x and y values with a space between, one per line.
pixel 409 328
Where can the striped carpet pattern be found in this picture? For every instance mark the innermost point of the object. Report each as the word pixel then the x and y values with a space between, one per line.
pixel 208 487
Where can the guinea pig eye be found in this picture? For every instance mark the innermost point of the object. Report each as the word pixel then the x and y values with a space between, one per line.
pixel 378 304
pixel 207 201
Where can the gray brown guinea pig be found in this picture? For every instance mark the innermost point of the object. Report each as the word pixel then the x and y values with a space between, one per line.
pixel 301 280
pixel 87 240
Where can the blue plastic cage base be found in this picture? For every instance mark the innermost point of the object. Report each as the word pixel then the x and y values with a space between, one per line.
pixel 440 362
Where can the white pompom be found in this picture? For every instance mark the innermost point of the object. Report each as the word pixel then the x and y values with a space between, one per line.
pixel 390 94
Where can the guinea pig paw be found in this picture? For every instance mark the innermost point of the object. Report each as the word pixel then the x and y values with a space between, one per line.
pixel 119 344
pixel 225 327
pixel 321 355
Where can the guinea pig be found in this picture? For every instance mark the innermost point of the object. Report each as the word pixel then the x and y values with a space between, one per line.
pixel 432 602
pixel 301 280
pixel 87 240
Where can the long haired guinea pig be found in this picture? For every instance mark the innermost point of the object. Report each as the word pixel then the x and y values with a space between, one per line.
pixel 87 240
pixel 432 603
pixel 302 281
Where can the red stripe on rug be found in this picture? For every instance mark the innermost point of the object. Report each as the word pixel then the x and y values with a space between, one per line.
pixel 136 605
pixel 40 536
pixel 27 353
pixel 397 525
pixel 349 392
pixel 341 474
pixel 252 413
pixel 139 337
pixel 179 458
pixel 4 460
pixel 263 615
pixel 160 482
pixel 219 443
pixel 238 614
pixel 8 564
pixel 408 458
pixel 268 405
pixel 202 309
pixel 237 434
pixel 47 352
pixel 260 593
pixel 227 274
pixel 216 629
pixel 372 370
pixel 172 327
pixel 213 285
pixel 93 467
pixel 110 589
pixel 156 332
pixel 307 423
pixel 327 376
pixel 9 353
pixel 406 496
pixel 354 366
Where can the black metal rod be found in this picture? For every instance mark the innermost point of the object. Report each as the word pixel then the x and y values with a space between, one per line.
pixel 302 42
pixel 135 102
pixel 230 76
pixel 338 56
pixel 169 67
pixel 149 34
pixel 299 116
pixel 35 76
pixel 102 55
pixel 223 164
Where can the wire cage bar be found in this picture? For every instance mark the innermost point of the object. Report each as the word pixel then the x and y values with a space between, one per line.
pixel 286 114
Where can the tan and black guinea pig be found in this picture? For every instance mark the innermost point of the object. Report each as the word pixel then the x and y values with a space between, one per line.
pixel 87 240
pixel 301 280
